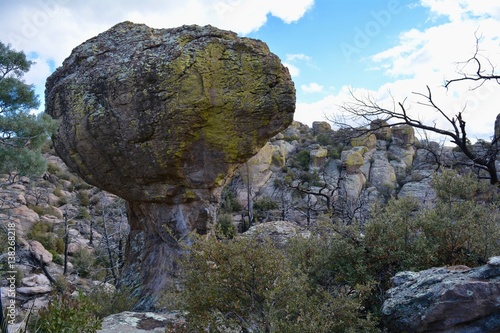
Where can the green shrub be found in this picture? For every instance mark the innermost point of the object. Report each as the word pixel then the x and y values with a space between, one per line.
pixel 53 168
pixel 46 210
pixel 303 159
pixel 83 196
pixel 334 153
pixel 56 258
pixel 224 227
pixel 83 262
pixel 246 284
pixel 324 139
pixel 83 213
pixel 67 314
pixel 464 225
pixel 263 206
pixel 107 301
pixel 44 233
pixel 66 175
pixel 58 192
pixel 229 203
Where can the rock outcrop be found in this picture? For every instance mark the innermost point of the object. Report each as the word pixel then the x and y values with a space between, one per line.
pixel 454 299
pixel 128 322
pixel 162 118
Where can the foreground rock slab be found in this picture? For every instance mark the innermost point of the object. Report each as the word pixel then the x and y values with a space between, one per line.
pixel 134 322
pixel 453 299
pixel 162 118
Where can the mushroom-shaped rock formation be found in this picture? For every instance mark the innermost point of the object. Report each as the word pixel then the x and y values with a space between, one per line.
pixel 162 118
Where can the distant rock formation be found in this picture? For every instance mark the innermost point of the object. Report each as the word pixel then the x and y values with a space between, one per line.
pixel 162 118
pixel 454 299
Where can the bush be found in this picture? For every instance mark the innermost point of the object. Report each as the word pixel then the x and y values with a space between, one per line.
pixel 107 301
pixel 44 233
pixel 464 226
pixel 57 259
pixel 83 262
pixel 324 139
pixel 303 159
pixel 224 227
pixel 254 286
pixel 263 207
pixel 53 168
pixel 229 203
pixel 67 314
pixel 83 213
pixel 58 192
pixel 83 196
pixel 46 210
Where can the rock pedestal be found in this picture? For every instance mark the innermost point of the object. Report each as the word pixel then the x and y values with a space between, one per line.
pixel 162 118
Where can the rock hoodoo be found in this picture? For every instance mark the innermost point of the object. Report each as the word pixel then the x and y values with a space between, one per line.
pixel 162 118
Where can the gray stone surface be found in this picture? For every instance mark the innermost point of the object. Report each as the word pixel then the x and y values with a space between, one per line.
pixel 454 299
pixel 142 322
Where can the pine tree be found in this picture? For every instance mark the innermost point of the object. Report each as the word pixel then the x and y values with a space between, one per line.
pixel 22 133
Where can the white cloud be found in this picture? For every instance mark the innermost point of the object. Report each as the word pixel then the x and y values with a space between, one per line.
pixel 311 88
pixel 436 50
pixel 294 70
pixel 457 10
pixel 49 29
pixel 429 57
pixel 52 28
pixel 298 57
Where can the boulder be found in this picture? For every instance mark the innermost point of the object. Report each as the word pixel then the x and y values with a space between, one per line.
pixel 162 118
pixel 367 140
pixel 454 299
pixel 128 322
pixel 26 216
pixel 403 135
pixel 352 186
pixel 279 232
pixel 318 156
pixel 381 129
pixel 35 280
pixel 36 290
pixel 421 190
pixel 403 154
pixel 38 251
pixel 382 174
pixel 352 161
pixel 321 127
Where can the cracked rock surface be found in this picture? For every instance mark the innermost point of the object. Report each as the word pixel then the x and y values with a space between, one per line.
pixel 162 118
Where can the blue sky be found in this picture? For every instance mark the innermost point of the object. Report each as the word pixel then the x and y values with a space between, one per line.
pixel 377 48
pixel 338 37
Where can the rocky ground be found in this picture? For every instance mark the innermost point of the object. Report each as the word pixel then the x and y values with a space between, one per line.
pixel 42 209
pixel 289 183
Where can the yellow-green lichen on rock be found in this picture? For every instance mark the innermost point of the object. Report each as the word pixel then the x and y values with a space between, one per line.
pixel 353 161
pixel 188 102
pixel 162 118
pixel 367 140
pixel 404 135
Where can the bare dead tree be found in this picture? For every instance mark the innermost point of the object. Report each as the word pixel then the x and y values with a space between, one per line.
pixel 481 74
pixel 66 240
pixel 363 111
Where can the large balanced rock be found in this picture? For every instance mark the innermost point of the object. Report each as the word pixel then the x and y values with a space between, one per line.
pixel 448 299
pixel 162 118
